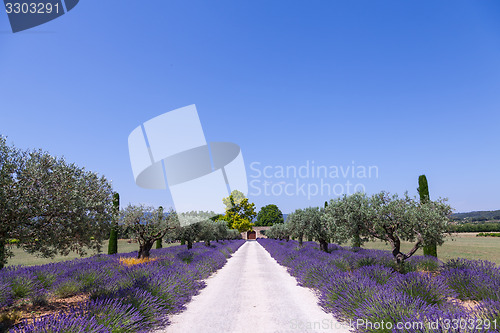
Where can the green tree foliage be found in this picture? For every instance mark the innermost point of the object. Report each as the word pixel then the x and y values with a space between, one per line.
pixel 240 223
pixel 316 227
pixel 49 205
pixel 148 225
pixel 159 242
pixel 188 234
pixel 347 216
pixel 235 198
pixel 296 225
pixel 221 230
pixel 423 190
pixel 239 211
pixel 391 219
pixel 208 232
pixel 215 231
pixel 269 215
pixel 113 235
pixel 193 227
pixel 475 227
pixel 278 231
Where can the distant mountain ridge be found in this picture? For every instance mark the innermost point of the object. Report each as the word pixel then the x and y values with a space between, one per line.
pixel 485 215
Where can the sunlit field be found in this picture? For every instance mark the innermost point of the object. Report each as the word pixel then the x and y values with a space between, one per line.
pixel 463 245
pixel 22 258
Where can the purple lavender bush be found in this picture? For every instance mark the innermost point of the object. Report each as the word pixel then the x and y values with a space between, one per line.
pixel 363 288
pixel 473 279
pixel 121 298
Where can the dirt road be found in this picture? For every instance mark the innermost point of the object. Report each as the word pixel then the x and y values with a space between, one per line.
pixel 253 293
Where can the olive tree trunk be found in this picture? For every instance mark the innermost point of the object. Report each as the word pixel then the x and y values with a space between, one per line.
pixel 144 250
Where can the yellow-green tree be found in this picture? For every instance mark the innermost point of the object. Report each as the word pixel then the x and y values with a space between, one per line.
pixel 239 211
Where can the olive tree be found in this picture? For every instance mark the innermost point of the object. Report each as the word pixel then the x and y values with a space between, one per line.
pixel 315 227
pixel 196 227
pixel 346 216
pixel 49 205
pixel 296 224
pixel 147 225
pixel 188 234
pixel 404 219
pixel 221 230
pixel 391 219
pixel 208 232
pixel 278 231
pixel 233 234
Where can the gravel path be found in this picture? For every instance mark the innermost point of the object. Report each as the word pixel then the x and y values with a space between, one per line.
pixel 253 293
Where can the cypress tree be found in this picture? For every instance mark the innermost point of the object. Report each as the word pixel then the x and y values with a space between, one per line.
pixel 3 258
pixel 423 191
pixel 159 244
pixel 113 235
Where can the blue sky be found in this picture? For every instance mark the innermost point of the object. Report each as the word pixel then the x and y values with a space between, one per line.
pixel 411 87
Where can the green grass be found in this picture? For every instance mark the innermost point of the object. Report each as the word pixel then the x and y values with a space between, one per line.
pixel 25 259
pixel 462 245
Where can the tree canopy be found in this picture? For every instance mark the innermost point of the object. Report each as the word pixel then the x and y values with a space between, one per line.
pixel 239 211
pixel 388 218
pixel 296 225
pixel 148 225
pixel 49 205
pixel 269 215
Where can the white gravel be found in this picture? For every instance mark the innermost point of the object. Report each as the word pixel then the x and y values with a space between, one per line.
pixel 253 293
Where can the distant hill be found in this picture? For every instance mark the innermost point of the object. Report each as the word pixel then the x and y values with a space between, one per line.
pixel 493 215
pixel 479 216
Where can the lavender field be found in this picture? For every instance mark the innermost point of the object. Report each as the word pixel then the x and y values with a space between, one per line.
pixel 117 297
pixel 362 288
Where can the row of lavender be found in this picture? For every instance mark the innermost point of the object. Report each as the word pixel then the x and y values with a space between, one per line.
pixel 362 289
pixel 121 298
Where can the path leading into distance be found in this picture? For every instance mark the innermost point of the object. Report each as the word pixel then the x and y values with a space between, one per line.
pixel 253 293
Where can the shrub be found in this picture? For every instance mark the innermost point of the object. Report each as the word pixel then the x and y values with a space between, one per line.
pixel 344 292
pixel 389 308
pixel 377 273
pixel 432 290
pixel 39 297
pixel 6 294
pixel 114 315
pixel 68 288
pixel 149 306
pixel 61 323
pixel 22 286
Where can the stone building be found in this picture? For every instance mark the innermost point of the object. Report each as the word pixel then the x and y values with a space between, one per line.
pixel 256 233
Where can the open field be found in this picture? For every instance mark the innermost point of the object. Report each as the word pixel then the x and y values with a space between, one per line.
pixel 366 287
pixel 462 245
pixel 22 258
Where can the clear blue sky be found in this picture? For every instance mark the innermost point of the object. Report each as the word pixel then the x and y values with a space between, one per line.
pixel 411 87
